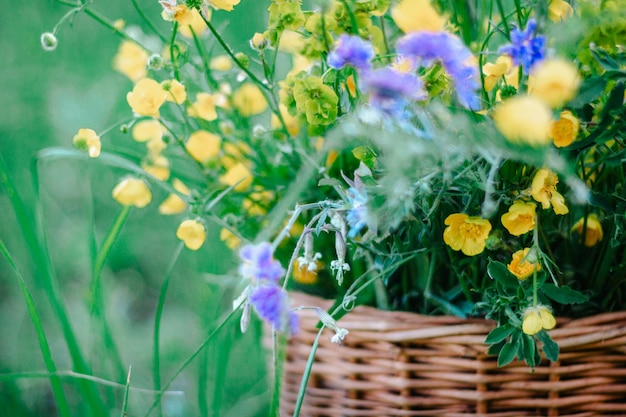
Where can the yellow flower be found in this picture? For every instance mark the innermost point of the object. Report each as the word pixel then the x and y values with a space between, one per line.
pixel 258 41
pixel 237 174
pixel 203 107
pixel 559 10
pixel 291 42
pixel 257 202
pixel 417 15
pixel 132 192
pixel 158 166
pixel 235 153
pixel 495 71
pixel 196 25
pixel 88 140
pixel 292 123
pixel 555 82
pixel 231 241
pixel 224 4
pixel 521 265
pixel 221 63
pixel 524 119
pixel 592 231
pixel 249 100
pixel 466 233
pixel 146 98
pixel 536 319
pixel 192 233
pixel 179 13
pixel 131 60
pixel 203 146
pixel 565 130
pixel 173 204
pixel 520 218
pixel 305 274
pixel 147 130
pixel 155 146
pixel 175 91
pixel 543 190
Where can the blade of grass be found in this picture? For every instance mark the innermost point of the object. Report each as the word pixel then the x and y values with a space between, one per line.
pixel 156 355
pixel 43 270
pixel 44 346
pixel 190 359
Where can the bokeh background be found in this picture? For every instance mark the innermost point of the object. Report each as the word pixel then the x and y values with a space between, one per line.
pixel 46 97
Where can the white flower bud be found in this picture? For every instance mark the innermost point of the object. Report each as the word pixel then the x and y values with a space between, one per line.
pixel 48 41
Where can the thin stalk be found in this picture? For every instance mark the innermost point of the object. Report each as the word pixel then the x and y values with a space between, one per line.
pixel 44 347
pixel 190 359
pixel 126 391
pixel 105 22
pixel 148 21
pixel 307 373
pixel 174 56
pixel 503 18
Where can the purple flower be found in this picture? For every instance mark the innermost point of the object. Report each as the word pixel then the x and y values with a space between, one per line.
pixel 271 304
pixel 389 90
pixel 351 50
pixel 526 48
pixel 259 264
pixel 428 47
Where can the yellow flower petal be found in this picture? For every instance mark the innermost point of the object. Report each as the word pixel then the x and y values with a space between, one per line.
pixel 248 100
pixel 88 140
pixel 132 192
pixel 147 130
pixel 565 130
pixel 555 82
pixel 547 319
pixel 592 230
pixel 521 266
pixel 543 190
pixel 237 174
pixel 192 233
pixel 232 241
pixel 524 119
pixel 531 324
pixel 520 218
pixel 146 98
pixel 203 145
pixel 173 204
pixel 203 107
pixel 196 25
pixel 131 60
pixel 467 234
pixel 176 92
pixel 417 15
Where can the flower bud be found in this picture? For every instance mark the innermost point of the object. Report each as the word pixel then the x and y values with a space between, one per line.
pixel 48 41
pixel 155 62
pixel 87 140
pixel 243 59
pixel 192 233
pixel 259 41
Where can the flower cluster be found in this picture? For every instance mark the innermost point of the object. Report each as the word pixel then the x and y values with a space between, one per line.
pixel 467 164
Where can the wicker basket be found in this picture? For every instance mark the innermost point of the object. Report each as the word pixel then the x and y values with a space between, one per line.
pixel 404 364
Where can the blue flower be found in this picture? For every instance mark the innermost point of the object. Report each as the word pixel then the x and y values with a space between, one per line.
pixel 357 215
pixel 271 304
pixel 526 48
pixel 428 47
pixel 259 263
pixel 351 50
pixel 390 90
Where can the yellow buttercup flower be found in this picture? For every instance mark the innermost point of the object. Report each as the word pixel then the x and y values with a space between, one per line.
pixel 176 92
pixel 146 98
pixel 173 204
pixel 203 107
pixel 158 166
pixel 555 82
pixel 465 233
pixel 495 71
pixel 179 13
pixel 221 63
pixel 520 218
pixel 147 130
pixel 591 229
pixel 203 146
pixel 559 10
pixel 88 140
pixel 417 15
pixel 235 153
pixel 249 100
pixel 524 119
pixel 224 4
pixel 257 202
pixel 131 60
pixel 132 192
pixel 231 241
pixel 196 25
pixel 543 190
pixel 192 233
pixel 522 266
pixel 565 130
pixel 537 319
pixel 237 174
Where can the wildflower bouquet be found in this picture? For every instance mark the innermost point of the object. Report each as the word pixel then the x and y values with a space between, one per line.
pixel 443 157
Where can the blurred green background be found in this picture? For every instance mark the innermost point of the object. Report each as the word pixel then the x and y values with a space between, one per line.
pixel 47 97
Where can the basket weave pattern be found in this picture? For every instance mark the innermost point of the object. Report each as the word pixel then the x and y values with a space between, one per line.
pixel 404 364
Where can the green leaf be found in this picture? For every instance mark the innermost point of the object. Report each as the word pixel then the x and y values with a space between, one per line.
pixel 331 182
pixel 528 349
pixel 499 334
pixel 563 294
pixel 514 320
pixel 499 273
pixel 365 154
pixel 550 347
pixel 495 348
pixel 589 90
pixel 507 353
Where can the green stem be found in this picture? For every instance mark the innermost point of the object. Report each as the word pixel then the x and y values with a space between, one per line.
pixel 174 48
pixel 190 359
pixel 307 373
pixel 503 18
pixel 148 21
pixel 156 357
pixel 44 347
pixel 105 22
